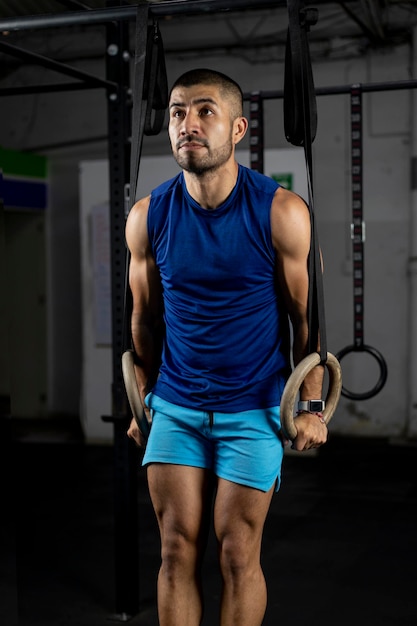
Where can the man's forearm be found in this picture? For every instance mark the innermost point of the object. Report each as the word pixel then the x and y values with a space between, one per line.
pixel 147 342
pixel 312 386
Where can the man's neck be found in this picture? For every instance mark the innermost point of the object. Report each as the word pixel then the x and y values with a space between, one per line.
pixel 212 188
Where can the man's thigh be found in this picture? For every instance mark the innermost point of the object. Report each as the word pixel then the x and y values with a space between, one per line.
pixel 181 497
pixel 240 513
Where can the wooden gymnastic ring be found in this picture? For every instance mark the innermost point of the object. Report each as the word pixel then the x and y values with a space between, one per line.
pixel 132 392
pixel 294 383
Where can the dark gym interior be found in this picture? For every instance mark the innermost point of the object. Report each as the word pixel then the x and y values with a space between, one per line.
pixel 79 542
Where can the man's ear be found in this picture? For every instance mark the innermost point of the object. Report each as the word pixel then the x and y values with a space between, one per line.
pixel 240 126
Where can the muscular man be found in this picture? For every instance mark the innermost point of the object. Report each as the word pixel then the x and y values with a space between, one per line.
pixel 218 265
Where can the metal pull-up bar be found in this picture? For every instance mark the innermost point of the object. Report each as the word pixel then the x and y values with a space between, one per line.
pixel 63 68
pixel 123 13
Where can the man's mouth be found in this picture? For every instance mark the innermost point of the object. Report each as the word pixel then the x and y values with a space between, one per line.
pixel 191 145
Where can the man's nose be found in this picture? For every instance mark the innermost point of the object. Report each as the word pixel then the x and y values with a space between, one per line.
pixel 190 124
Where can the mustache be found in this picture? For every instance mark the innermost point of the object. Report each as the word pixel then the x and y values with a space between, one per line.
pixel 191 139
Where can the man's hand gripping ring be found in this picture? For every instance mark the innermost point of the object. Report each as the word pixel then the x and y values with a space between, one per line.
pixel 294 383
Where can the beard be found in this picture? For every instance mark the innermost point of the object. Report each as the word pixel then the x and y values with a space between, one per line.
pixel 210 161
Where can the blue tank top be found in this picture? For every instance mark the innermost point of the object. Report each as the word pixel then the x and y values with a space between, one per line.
pixel 225 345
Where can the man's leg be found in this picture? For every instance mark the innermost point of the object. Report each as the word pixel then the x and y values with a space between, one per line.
pixel 181 497
pixel 239 517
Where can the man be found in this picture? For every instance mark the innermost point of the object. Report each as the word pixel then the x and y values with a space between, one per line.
pixel 218 263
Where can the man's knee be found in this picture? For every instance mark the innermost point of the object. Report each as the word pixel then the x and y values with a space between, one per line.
pixel 179 552
pixel 239 557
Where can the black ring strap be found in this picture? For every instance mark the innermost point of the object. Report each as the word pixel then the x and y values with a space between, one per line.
pixel 298 79
pixel 358 241
pixel 300 125
pixel 256 128
pixel 150 100
pixel 150 90
pixel 155 84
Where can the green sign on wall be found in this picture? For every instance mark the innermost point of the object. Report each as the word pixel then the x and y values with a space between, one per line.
pixel 283 179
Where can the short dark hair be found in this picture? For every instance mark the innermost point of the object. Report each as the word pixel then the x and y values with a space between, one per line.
pixel 203 76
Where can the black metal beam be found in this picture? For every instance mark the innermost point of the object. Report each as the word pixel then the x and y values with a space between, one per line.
pixel 266 95
pixel 74 143
pixel 49 88
pixel 74 4
pixel 343 89
pixel 57 66
pixel 157 10
pixel 126 457
pixel 368 87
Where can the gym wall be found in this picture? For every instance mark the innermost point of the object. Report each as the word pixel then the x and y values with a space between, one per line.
pixel 69 128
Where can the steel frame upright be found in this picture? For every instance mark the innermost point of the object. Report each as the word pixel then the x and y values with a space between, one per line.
pixel 126 461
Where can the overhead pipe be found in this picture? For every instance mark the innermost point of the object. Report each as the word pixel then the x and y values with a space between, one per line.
pixel 57 66
pixel 156 9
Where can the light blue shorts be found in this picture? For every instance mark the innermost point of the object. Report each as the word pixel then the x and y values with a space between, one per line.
pixel 242 447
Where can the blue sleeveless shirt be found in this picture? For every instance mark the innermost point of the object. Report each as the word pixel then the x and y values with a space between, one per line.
pixel 226 341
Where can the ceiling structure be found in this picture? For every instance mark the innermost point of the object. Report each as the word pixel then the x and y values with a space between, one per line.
pixel 254 31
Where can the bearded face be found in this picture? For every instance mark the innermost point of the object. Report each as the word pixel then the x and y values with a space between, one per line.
pixel 200 128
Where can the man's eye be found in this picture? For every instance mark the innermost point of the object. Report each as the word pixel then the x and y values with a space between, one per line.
pixel 206 111
pixel 177 114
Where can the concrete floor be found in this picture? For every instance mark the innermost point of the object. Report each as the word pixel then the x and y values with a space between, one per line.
pixel 340 543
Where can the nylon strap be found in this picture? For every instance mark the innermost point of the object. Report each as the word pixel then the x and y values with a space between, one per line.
pixel 300 124
pixel 138 92
pixel 150 100
pixel 299 94
pixel 358 225
pixel 256 128
pixel 150 90
pixel 357 231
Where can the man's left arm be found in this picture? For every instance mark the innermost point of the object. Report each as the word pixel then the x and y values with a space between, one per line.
pixel 290 223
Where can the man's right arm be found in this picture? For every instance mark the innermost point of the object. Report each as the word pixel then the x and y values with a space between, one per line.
pixel 146 323
pixel 291 232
